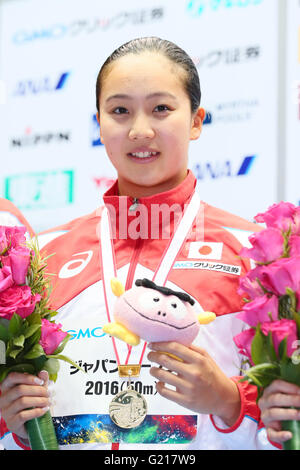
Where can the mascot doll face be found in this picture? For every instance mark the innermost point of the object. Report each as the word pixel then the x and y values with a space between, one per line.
pixel 156 316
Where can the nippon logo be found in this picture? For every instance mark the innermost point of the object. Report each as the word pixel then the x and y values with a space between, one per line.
pixel 223 169
pixel 32 139
pixel 44 84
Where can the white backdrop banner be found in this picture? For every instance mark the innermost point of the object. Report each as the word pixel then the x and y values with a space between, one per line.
pixel 52 164
pixel 293 102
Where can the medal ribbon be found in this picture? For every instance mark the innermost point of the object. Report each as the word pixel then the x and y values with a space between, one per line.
pixel 108 260
pixel 109 267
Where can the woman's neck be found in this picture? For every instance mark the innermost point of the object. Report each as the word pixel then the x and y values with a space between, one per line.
pixel 126 188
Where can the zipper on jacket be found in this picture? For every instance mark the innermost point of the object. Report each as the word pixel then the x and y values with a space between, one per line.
pixel 134 204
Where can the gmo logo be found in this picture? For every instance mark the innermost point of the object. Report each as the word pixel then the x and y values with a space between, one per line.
pixel 87 333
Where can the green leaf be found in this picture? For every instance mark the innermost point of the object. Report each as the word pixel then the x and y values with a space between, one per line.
pixel 19 341
pixel 62 345
pixel 31 330
pixel 35 351
pixel 270 347
pixel 282 350
pixel 3 373
pixel 297 320
pixel 290 372
pixel 14 352
pixel 258 348
pixel 24 368
pixel 52 367
pixel 15 325
pixel 66 359
pixel 262 375
pixel 4 335
pixel 32 340
pixel 34 319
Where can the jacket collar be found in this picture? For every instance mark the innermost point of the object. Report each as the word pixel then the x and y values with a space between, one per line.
pixel 149 215
pixel 178 195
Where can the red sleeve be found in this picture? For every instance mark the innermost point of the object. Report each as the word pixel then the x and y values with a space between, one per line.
pixel 249 408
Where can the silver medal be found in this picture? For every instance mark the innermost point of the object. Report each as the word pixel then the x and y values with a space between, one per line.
pixel 128 409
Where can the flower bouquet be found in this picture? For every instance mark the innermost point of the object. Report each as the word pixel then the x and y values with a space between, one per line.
pixel 272 306
pixel 30 341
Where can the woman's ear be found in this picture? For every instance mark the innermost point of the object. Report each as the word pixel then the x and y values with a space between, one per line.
pixel 197 123
pixel 98 120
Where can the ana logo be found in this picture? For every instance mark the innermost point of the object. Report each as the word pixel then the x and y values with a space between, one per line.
pixel 223 169
pixel 208 118
pixel 95 132
pixel 41 85
pixel 196 8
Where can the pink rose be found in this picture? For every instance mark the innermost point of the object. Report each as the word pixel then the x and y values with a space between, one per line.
pixel 51 336
pixel 277 276
pixel 18 259
pixel 280 216
pixel 3 240
pixel 297 221
pixel 268 245
pixel 6 279
pixel 249 285
pixel 259 309
pixel 17 299
pixel 282 329
pixel 294 244
pixel 243 341
pixel 15 236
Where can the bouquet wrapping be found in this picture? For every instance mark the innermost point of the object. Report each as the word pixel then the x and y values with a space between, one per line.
pixel 272 304
pixel 30 340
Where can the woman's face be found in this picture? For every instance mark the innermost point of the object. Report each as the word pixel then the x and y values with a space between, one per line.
pixel 146 123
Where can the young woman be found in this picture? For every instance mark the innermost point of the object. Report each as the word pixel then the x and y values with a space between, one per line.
pixel 152 225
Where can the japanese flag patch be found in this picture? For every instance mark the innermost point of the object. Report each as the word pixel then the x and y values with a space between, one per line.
pixel 205 250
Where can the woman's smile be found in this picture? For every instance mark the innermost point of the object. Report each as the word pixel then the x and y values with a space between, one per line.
pixel 143 155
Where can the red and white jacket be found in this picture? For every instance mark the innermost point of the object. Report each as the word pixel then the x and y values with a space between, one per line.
pixel 207 266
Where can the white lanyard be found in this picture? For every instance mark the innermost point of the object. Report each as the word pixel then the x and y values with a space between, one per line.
pixel 108 261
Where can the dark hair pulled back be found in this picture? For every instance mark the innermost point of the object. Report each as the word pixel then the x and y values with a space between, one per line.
pixel 170 50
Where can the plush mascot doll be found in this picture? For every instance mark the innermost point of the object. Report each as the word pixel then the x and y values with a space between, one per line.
pixel 154 313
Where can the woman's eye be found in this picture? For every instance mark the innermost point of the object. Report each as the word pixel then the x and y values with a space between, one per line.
pixel 120 110
pixel 161 108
